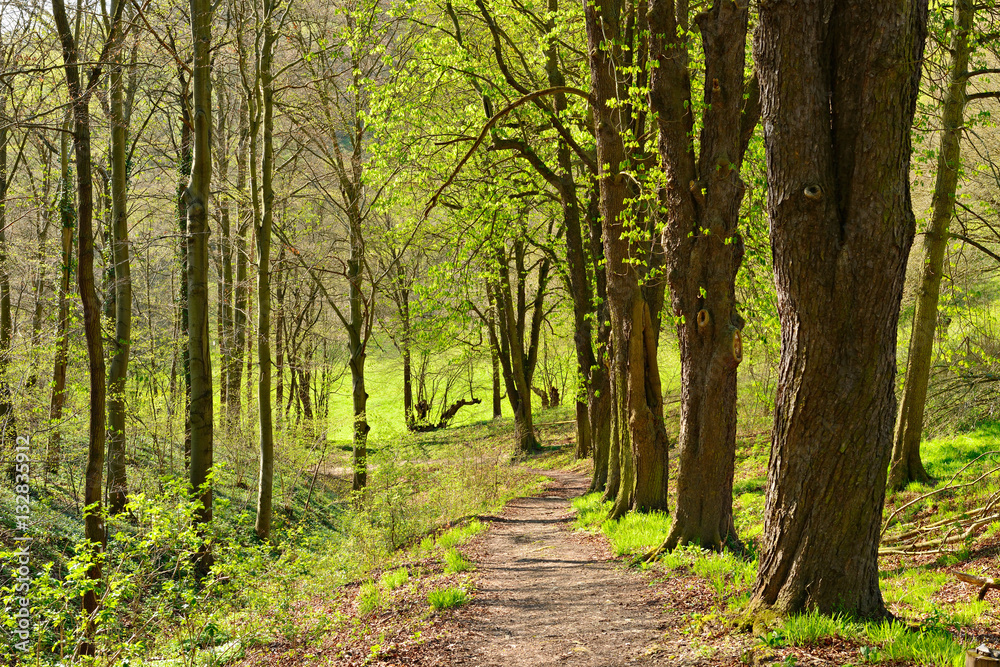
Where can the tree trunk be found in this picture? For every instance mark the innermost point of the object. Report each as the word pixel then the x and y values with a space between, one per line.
pixel 79 94
pixel 184 170
pixel 225 295
pixel 906 465
pixel 638 431
pixel 197 196
pixel 67 216
pixel 838 88
pixel 265 482
pixel 122 289
pixel 704 249
pixel 356 345
pixel 8 425
pixel 245 215
pixel 599 387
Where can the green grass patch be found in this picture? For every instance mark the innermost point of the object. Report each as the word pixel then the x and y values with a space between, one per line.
pixel 369 597
pixel 393 579
pixel 636 532
pixel 591 511
pixel 895 641
pixel 446 598
pixel 460 534
pixel 454 562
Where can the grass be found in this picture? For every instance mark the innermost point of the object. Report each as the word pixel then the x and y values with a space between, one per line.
pixel 446 598
pixel 453 537
pixel 631 534
pixel 455 562
pixel 369 598
pixel 393 579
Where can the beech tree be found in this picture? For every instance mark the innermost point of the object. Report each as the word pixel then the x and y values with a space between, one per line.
pixel 839 85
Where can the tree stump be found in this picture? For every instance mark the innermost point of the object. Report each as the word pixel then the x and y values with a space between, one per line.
pixel 975 659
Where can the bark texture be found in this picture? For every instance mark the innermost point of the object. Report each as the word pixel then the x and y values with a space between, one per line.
pixel 839 83
pixel 906 465
pixel 701 197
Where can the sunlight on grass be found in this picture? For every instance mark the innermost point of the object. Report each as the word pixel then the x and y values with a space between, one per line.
pixel 446 598
pixel 460 534
pixel 456 562
pixel 393 579
pixel 369 597
pixel 633 533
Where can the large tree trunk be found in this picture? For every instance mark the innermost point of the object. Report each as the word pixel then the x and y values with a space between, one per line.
pixel 906 465
pixel 122 289
pixel 197 196
pixel 704 249
pixel 67 217
pixel 638 432
pixel 265 482
pixel 839 85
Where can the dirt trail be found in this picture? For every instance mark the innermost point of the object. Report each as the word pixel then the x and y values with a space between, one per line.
pixel 550 596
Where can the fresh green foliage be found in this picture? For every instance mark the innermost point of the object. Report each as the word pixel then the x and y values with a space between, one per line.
pixel 458 535
pixel 393 579
pixel 369 597
pixel 454 562
pixel 446 598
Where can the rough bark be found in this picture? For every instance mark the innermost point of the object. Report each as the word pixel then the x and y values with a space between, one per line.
pixel 638 432
pixel 839 85
pixel 599 387
pixel 196 198
pixel 122 288
pixel 906 465
pixel 701 199
pixel 184 176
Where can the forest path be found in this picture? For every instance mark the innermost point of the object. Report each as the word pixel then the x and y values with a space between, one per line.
pixel 547 595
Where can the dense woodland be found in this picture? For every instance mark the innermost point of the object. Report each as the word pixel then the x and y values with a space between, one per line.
pixel 286 287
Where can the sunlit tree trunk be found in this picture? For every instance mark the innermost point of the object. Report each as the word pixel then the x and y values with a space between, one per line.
pixel 122 287
pixel 839 84
pixel 906 465
pixel 196 197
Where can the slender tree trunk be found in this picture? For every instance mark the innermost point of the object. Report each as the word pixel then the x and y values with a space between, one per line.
pixel 245 215
pixel 704 250
pixel 356 346
pixel 67 217
pixel 839 84
pixel 8 425
pixel 184 169
pixel 906 465
pixel 265 482
pixel 196 197
pixel 225 296
pixel 122 289
pixel 79 94
pixel 599 388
